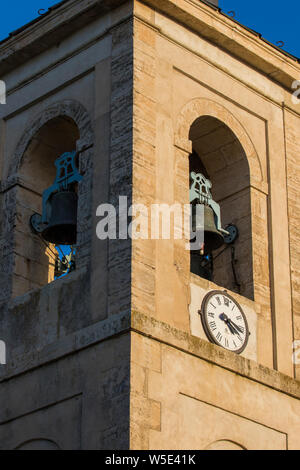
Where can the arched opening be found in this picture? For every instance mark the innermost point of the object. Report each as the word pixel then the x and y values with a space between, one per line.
pixel 34 260
pixel 220 157
pixel 224 444
pixel 38 444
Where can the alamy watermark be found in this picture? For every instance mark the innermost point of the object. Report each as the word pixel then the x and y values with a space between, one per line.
pixel 2 353
pixel 2 343
pixel 296 352
pixel 2 92
pixel 296 94
pixel 154 222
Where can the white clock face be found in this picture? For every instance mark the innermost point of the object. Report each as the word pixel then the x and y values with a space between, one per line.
pixel 224 321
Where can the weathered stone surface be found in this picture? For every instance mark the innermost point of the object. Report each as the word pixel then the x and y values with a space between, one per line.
pixel 105 358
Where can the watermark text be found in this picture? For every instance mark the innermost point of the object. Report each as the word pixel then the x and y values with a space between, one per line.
pixel 296 352
pixel 158 221
pixel 2 353
pixel 296 94
pixel 2 92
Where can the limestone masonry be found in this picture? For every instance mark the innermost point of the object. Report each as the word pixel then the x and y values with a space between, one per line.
pixel 114 355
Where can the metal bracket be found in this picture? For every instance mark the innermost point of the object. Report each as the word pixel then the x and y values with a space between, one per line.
pixel 36 223
pixel 233 234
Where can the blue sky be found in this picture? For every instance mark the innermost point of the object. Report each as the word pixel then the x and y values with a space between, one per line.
pixel 267 17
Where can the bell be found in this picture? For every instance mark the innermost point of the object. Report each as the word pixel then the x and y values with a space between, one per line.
pixel 62 227
pixel 213 239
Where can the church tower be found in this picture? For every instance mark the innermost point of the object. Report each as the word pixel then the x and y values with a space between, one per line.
pixel 139 342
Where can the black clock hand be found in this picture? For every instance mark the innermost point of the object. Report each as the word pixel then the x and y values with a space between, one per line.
pixel 236 332
pixel 227 321
pixel 236 326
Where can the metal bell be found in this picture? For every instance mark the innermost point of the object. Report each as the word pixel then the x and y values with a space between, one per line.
pixel 213 239
pixel 62 227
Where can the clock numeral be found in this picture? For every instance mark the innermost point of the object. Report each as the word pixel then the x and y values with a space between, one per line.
pixel 226 343
pixel 226 301
pixel 218 300
pixel 234 343
pixel 211 314
pixel 241 339
pixel 219 337
pixel 213 325
pixel 239 317
pixel 212 305
pixel 242 329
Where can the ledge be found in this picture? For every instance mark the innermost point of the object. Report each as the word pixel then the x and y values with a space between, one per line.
pixel 208 21
pixel 104 330
pixel 209 352
pixel 49 29
pixel 232 37
pixel 158 331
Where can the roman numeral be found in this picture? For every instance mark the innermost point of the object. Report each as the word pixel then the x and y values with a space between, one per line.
pixel 226 343
pixel 212 305
pixel 213 325
pixel 239 317
pixel 211 314
pixel 226 301
pixel 219 336
pixel 218 300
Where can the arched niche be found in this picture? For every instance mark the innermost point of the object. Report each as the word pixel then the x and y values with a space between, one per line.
pixel 69 109
pixel 209 129
pixel 224 444
pixel 62 128
pixel 38 444
pixel 56 136
pixel 218 154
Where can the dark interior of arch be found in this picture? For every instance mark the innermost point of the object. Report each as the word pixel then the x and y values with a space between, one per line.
pixel 34 263
pixel 57 136
pixel 218 154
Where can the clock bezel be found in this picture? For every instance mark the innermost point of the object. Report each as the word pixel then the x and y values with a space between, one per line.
pixel 206 328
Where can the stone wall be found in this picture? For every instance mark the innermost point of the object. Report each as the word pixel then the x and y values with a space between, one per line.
pixel 77 400
pixel 66 382
pixel 179 77
pixel 293 183
pixel 106 358
pixel 189 394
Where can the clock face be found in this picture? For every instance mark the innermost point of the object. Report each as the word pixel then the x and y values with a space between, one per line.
pixel 224 321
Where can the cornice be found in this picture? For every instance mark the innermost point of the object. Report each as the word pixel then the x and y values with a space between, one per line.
pixel 206 20
pixel 50 29
pixel 232 37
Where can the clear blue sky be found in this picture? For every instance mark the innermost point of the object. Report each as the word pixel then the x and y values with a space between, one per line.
pixel 268 17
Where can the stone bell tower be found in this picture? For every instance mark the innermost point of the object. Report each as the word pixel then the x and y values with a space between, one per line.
pixel 120 352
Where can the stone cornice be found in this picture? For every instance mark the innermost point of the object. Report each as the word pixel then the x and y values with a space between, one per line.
pixel 242 43
pixel 164 333
pixel 185 342
pixel 70 15
pixel 50 29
